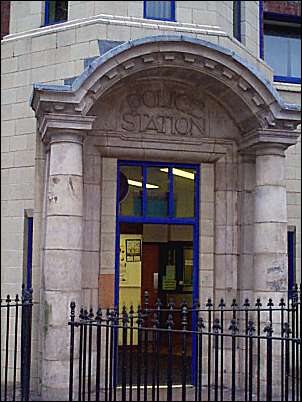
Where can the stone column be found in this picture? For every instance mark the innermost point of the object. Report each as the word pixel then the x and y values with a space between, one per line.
pixel 62 258
pixel 270 225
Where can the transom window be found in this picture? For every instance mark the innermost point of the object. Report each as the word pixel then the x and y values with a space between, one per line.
pixel 152 190
pixel 159 10
pixel 55 12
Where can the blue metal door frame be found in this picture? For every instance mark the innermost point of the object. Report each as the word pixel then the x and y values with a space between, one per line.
pixel 169 221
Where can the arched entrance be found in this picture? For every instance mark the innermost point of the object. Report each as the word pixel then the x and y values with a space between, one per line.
pixel 168 99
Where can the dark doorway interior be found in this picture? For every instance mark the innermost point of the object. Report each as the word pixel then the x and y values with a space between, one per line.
pixel 166 274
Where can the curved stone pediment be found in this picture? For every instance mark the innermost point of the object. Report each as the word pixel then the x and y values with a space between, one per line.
pixel 210 71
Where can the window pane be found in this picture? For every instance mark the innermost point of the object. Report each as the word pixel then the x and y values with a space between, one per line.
pixel 131 190
pixel 282 50
pixel 295 57
pixel 159 9
pixel 237 20
pixel 184 185
pixel 57 11
pixel 274 46
pixel 157 192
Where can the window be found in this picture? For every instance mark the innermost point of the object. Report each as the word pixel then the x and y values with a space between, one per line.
pixel 159 10
pixel 5 16
pixel 153 190
pixel 281 47
pixel 237 20
pixel 55 12
pixel 291 253
pixel 27 249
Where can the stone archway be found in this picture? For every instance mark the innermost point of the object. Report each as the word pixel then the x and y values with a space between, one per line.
pixel 203 100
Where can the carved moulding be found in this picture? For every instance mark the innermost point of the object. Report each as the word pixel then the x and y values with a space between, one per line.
pixel 282 138
pixel 238 86
pixel 54 125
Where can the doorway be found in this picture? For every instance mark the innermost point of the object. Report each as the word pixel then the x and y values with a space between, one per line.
pixel 157 245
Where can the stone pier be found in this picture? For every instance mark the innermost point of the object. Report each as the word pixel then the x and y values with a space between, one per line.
pixel 270 223
pixel 62 273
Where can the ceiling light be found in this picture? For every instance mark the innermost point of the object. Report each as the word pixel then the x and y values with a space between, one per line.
pixel 140 184
pixel 181 173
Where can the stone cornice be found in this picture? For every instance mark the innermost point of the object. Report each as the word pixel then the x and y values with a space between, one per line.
pixel 271 137
pixel 52 125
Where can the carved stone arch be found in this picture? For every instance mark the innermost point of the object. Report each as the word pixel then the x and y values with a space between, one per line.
pixel 239 87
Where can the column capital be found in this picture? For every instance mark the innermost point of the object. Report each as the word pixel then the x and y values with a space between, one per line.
pixel 64 127
pixel 268 138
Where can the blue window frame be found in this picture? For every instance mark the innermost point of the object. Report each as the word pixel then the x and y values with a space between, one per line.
pixel 280 45
pixel 159 10
pixel 237 20
pixel 55 12
pixel 291 253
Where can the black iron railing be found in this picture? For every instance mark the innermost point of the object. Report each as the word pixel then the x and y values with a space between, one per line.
pixel 16 319
pixel 248 352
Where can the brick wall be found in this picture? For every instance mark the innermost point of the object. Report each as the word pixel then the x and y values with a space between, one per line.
pixel 283 7
pixel 5 12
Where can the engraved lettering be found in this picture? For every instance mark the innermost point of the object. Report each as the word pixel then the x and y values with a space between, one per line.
pixel 198 124
pixel 134 101
pixel 183 103
pixel 151 125
pixel 148 112
pixel 150 99
pixel 182 126
pixel 161 124
pixel 128 122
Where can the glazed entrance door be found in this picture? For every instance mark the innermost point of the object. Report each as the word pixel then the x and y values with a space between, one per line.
pixel 161 200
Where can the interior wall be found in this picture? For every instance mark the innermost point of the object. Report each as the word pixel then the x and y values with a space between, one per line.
pixel 164 233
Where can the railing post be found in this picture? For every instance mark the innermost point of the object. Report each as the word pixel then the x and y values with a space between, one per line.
pixel 234 329
pixel 246 306
pixel 26 342
pixel 131 315
pixel 124 346
pixel 170 324
pixel 209 305
pixel 221 306
pixel 72 316
pixel 269 365
pixel 250 333
pixel 99 320
pixel 286 332
pixel 8 300
pixel 157 320
pixel 216 328
pixel 139 351
pixel 200 328
pixel 184 323
pixel 145 318
pixel 295 333
pixel 258 306
pixel 15 344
